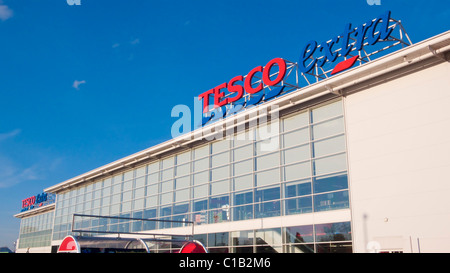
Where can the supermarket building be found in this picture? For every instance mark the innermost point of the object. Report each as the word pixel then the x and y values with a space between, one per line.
pixel 356 161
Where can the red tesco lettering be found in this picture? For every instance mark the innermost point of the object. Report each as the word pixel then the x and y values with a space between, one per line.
pixel 218 92
pixel 28 202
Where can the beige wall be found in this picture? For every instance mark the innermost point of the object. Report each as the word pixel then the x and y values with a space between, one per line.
pixel 398 137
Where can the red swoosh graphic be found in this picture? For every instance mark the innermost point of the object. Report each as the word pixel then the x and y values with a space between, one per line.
pixel 344 65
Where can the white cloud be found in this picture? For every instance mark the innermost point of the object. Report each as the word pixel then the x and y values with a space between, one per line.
pixel 76 84
pixel 5 12
pixel 4 136
pixel 11 175
pixel 135 41
pixel 116 45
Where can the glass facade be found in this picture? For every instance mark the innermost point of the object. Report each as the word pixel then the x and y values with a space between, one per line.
pixel 293 165
pixel 36 231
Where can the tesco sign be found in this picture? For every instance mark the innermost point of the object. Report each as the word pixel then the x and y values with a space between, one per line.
pixel 37 201
pixel 312 55
pixel 233 87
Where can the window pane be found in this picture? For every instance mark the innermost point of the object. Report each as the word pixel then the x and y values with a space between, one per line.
pixel 201 152
pixel 297 171
pixel 139 182
pixel 269 145
pixel 183 169
pixel 267 177
pixel 267 209
pixel 220 173
pixel 200 217
pixel 266 194
pixel 138 193
pixel 218 239
pixel 115 209
pixel 329 146
pixel 297 188
pixel 241 238
pixel 201 164
pixel 220 159
pixel 219 209
pixel 242 198
pixel 220 146
pixel 331 201
pixel 243 167
pixel 334 248
pixel 168 162
pixel 152 178
pixel 270 236
pixel 167 174
pixel 182 182
pixel 244 212
pixel 126 196
pixel 219 202
pixel 267 161
pixel 182 195
pixel 106 191
pixel 167 186
pixel 201 238
pixel 326 112
pixel 243 152
pixel 220 187
pixel 296 137
pixel 115 189
pixel 126 206
pixel 166 211
pixel 166 198
pixel 128 175
pixel 300 234
pixel 298 205
pixel 200 191
pixel 296 121
pixel 116 198
pixel 200 178
pixel 330 164
pixel 267 130
pixel 184 157
pixel 127 185
pixel 149 214
pixel 107 182
pixel 151 201
pixel 296 154
pixel 152 189
pixel 333 232
pixel 138 204
pixel 200 205
pixel 330 183
pixel 243 138
pixel 328 128
pixel 116 179
pixel 180 208
pixel 153 167
pixel 243 182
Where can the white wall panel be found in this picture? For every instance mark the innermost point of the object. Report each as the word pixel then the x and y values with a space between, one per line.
pixel 398 137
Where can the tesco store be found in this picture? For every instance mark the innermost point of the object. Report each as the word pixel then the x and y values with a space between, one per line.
pixel 345 150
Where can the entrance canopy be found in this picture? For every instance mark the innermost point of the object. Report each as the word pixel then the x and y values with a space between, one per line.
pixel 85 244
pixel 136 242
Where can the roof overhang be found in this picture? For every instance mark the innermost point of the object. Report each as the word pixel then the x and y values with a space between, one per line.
pixel 36 211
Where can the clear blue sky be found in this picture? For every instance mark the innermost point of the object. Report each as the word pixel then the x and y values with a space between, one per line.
pixel 82 86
